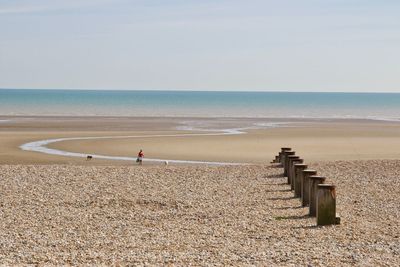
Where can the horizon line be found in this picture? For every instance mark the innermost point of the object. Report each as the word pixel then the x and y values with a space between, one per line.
pixel 205 90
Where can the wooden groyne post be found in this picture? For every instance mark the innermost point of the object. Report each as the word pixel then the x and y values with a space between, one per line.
pixel 305 187
pixel 320 197
pixel 281 154
pixel 286 161
pixel 292 171
pixel 298 177
pixel 326 205
pixel 289 165
pixel 315 180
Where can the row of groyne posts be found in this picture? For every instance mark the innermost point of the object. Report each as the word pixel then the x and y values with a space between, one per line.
pixel 309 187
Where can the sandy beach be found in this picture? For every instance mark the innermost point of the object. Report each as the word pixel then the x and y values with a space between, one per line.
pixel 316 140
pixel 59 210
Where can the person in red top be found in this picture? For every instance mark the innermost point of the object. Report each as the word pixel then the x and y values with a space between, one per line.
pixel 140 157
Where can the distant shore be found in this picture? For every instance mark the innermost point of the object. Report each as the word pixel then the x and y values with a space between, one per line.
pixel 197 139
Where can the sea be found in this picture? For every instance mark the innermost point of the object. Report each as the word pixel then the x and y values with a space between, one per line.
pixel 34 102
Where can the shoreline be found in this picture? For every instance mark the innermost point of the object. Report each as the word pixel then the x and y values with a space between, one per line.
pixel 4 118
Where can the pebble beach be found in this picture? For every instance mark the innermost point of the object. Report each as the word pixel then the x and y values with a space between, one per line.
pixel 195 216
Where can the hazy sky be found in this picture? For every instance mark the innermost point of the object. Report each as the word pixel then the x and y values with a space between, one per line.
pixel 271 45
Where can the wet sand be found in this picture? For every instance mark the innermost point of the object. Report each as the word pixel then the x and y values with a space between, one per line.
pixel 317 140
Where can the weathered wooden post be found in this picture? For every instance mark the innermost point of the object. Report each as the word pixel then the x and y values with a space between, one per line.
pixel 292 171
pixel 282 156
pixel 286 161
pixel 298 177
pixel 275 160
pixel 326 205
pixel 290 162
pixel 314 182
pixel 305 187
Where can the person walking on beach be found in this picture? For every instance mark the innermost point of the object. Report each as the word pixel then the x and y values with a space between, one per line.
pixel 140 157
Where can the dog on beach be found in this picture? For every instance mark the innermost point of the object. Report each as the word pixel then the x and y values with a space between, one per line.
pixel 89 157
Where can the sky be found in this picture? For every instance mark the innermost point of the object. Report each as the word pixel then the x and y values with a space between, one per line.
pixel 230 45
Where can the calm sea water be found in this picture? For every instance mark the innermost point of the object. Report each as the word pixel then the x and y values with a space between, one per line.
pixel 200 104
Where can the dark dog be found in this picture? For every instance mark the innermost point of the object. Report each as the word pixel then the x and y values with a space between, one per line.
pixel 89 157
